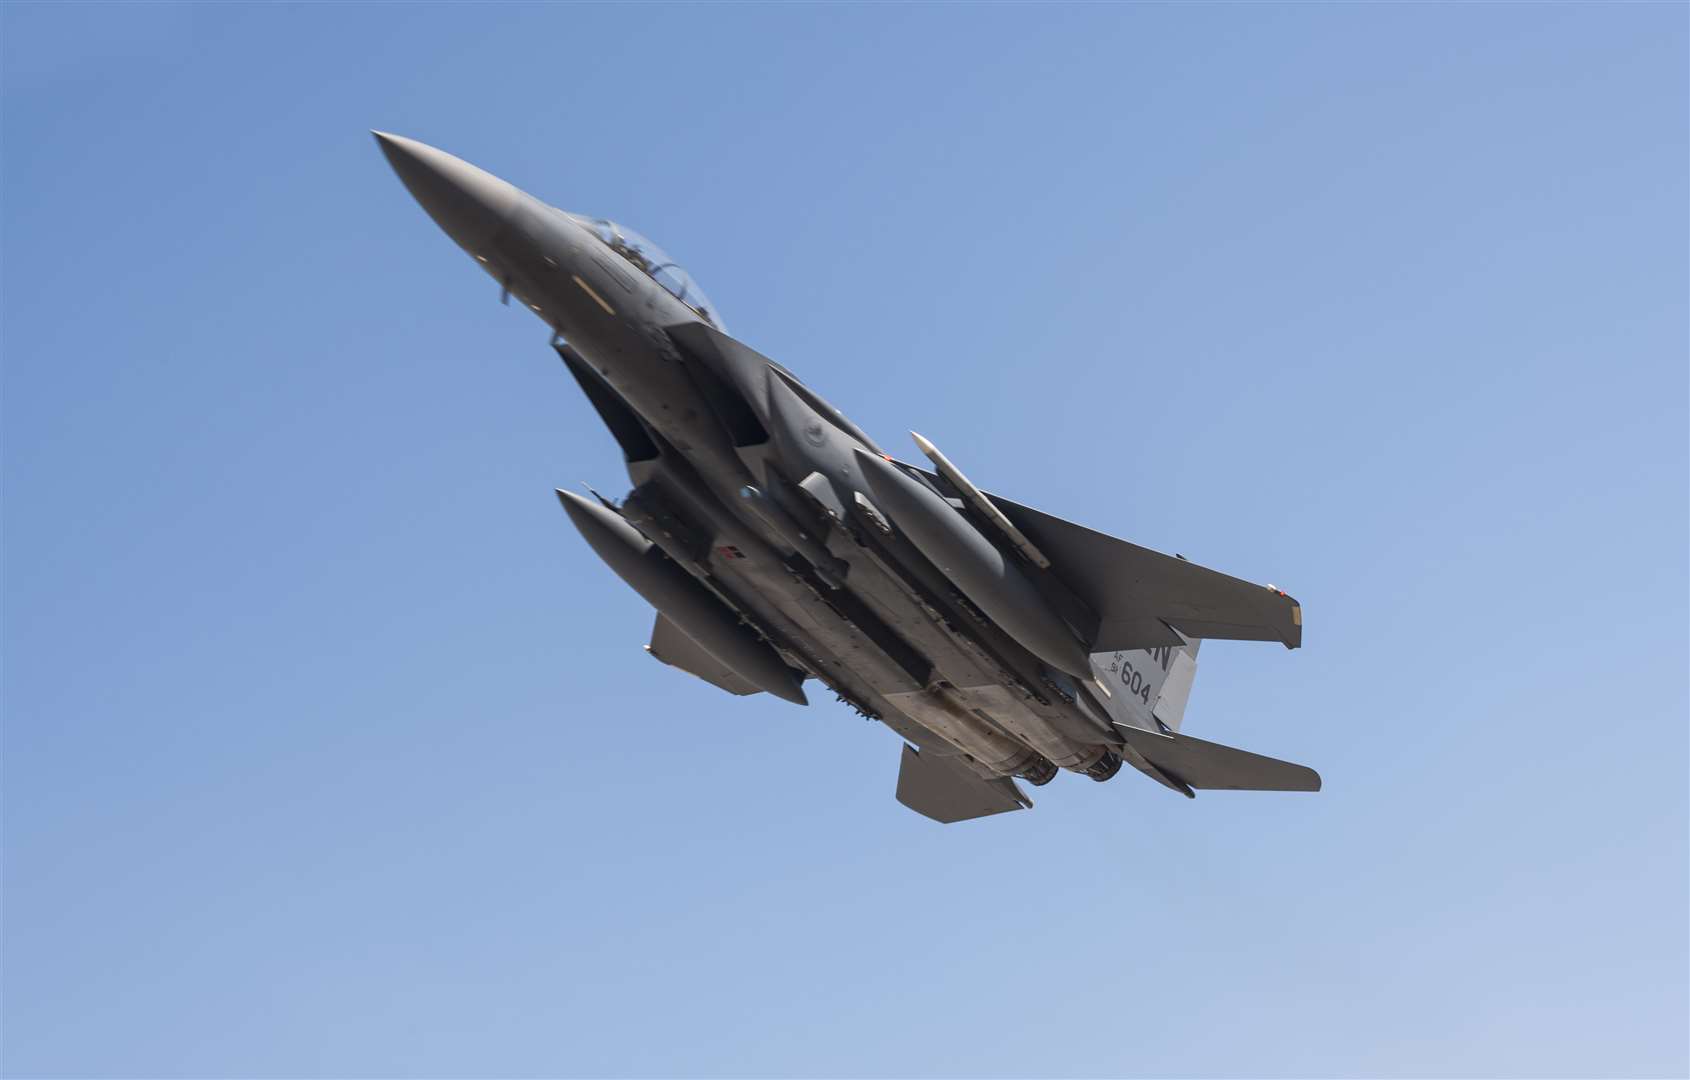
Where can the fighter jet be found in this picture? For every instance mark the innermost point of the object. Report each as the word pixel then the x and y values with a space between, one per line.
pixel 780 544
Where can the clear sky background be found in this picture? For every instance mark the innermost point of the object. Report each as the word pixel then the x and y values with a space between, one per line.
pixel 331 750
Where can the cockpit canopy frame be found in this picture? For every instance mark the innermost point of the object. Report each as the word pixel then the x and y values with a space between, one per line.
pixel 655 263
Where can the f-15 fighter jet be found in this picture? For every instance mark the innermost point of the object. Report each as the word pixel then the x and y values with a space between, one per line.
pixel 779 543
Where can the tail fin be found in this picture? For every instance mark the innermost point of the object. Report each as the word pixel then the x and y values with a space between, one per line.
pixel 1149 687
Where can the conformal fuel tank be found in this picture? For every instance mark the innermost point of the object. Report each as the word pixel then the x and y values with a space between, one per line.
pixel 694 609
pixel 974 565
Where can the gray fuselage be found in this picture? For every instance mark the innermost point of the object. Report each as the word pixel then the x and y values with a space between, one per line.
pixel 772 516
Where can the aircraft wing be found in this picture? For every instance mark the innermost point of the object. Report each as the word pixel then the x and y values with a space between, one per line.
pixel 674 648
pixel 935 787
pixel 1137 593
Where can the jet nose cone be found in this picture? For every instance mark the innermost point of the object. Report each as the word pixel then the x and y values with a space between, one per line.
pixel 470 204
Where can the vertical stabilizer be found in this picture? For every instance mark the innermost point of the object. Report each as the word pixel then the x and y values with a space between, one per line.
pixel 1176 688
pixel 1149 687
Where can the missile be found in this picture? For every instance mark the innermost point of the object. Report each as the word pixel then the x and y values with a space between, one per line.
pixel 982 505
pixel 711 624
pixel 974 565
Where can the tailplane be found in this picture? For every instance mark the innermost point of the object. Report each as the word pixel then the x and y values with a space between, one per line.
pixel 1193 763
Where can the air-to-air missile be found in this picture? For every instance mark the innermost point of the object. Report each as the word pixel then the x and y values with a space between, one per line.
pixel 778 542
pixel 974 564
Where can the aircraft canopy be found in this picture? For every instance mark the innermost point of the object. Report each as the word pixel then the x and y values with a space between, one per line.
pixel 656 264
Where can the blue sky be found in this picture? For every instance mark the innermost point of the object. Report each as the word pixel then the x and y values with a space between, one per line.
pixel 330 750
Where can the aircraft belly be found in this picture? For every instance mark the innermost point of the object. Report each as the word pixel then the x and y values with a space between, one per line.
pixel 841 657
pixel 997 753
pixel 1009 712
pixel 966 650
pixel 853 653
pixel 762 585
pixel 972 659
pixel 851 661
pixel 893 603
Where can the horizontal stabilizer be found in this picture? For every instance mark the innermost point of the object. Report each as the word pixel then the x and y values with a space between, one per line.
pixel 670 645
pixel 945 791
pixel 1211 766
